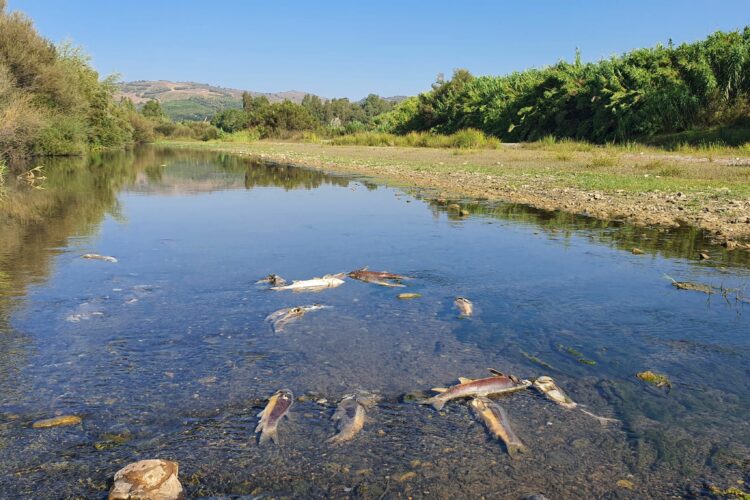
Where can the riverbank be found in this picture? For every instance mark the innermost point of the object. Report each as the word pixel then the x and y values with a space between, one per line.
pixel 640 186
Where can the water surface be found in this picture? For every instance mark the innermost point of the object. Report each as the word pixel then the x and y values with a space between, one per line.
pixel 166 353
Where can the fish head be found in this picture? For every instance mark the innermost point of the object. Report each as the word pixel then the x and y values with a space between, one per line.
pixel 283 395
pixel 479 403
pixel 544 383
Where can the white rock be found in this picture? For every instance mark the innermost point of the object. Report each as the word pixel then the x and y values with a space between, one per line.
pixel 147 480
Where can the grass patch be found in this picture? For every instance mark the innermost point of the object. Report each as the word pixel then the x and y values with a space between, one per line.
pixel 602 161
pixel 463 139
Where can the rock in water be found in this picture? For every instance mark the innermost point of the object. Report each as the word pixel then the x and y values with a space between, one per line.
pixel 147 480
pixel 57 422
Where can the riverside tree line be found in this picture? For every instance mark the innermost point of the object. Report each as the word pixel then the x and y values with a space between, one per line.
pixel 52 102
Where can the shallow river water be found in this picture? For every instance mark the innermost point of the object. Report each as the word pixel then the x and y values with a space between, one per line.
pixel 166 354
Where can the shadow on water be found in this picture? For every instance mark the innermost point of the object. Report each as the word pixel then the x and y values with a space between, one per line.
pixel 166 353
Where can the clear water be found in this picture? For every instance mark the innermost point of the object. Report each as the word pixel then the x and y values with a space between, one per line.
pixel 166 354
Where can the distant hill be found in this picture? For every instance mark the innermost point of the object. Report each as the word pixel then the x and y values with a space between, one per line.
pixel 193 101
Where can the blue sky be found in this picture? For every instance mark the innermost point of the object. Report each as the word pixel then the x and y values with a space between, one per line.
pixel 347 48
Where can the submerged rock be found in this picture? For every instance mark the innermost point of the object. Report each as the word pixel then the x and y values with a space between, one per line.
pixel 57 421
pixel 147 480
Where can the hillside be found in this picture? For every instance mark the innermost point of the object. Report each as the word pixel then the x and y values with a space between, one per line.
pixel 193 101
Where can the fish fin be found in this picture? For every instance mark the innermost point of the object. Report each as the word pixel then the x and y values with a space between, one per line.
pixel 437 403
pixel 434 401
pixel 603 421
pixel 439 389
pixel 496 372
pixel 464 380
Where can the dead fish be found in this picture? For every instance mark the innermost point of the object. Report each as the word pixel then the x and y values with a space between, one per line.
pixel 277 407
pixel 382 278
pixel 465 306
pixel 315 284
pixel 351 416
pixel 96 256
pixel 497 384
pixel 547 386
pixel 496 419
pixel 280 318
pixel 272 279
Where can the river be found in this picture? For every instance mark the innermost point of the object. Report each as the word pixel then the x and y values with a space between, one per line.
pixel 166 354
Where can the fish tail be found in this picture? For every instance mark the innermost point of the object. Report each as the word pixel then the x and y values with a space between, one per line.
pixel 269 434
pixel 434 401
pixel 334 439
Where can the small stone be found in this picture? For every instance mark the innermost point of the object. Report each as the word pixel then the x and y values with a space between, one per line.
pixel 464 213
pixel 454 206
pixel 57 422
pixel 147 480
pixel 704 256
pixel 406 476
pixel 637 251
pixel 626 484
pixel 322 401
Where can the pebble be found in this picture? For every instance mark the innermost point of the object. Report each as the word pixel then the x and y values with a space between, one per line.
pixel 637 251
pixel 626 484
pixel 57 422
pixel 406 476
pixel 147 480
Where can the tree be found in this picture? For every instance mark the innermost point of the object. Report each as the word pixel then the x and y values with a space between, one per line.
pixel 230 120
pixel 152 109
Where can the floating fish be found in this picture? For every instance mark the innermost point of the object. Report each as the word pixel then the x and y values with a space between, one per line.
pixel 408 296
pixel 272 279
pixel 465 306
pixel 96 256
pixel 279 319
pixel 496 419
pixel 547 386
pixel 351 416
pixel 497 384
pixel 382 278
pixel 277 407
pixel 315 284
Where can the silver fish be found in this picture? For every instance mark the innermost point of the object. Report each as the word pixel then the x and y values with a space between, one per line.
pixel 496 419
pixel 497 384
pixel 279 319
pixel 315 284
pixel 351 416
pixel 277 407
pixel 465 306
pixel 96 256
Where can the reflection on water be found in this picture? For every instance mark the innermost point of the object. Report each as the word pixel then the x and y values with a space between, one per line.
pixel 166 353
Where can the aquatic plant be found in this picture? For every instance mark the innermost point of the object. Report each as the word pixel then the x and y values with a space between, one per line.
pixel 576 354
pixel 655 379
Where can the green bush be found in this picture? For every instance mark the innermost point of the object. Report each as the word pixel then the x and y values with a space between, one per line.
pixel 64 135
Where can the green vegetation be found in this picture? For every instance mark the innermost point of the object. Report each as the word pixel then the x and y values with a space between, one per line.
pixel 332 117
pixel 51 101
pixel 641 95
pixel 463 139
